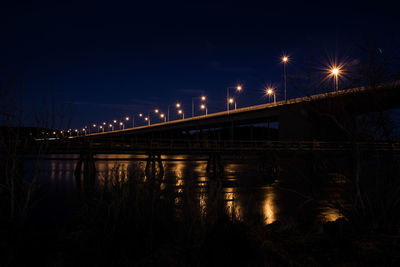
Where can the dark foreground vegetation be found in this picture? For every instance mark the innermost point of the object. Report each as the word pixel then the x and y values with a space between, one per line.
pixel 130 220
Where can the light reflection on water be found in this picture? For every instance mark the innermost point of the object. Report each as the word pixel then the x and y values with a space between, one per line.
pixel 269 207
pixel 242 202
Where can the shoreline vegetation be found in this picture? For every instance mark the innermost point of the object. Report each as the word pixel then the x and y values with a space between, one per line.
pixel 126 219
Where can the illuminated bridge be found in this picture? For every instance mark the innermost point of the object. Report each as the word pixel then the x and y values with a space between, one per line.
pixel 319 117
pixel 323 123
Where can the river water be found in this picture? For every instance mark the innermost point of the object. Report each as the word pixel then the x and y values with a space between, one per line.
pixel 248 190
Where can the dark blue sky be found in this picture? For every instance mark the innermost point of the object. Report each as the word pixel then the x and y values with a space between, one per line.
pixel 105 60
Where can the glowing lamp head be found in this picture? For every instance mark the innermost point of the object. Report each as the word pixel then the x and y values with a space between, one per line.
pixel 230 100
pixel 115 121
pixel 94 125
pixel 285 59
pixel 203 106
pixel 104 123
pixel 110 125
pixel 146 119
pixel 140 115
pixel 239 88
pixel 180 111
pixel 121 123
pixel 156 110
pixel 76 130
pixel 61 131
pixel 335 71
pixel 269 91
pixel 162 115
pixel 127 118
pixel 178 105
pixel 203 98
pixel 101 127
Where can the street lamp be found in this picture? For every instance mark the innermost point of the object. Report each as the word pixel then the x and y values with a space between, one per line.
pixel 335 72
pixel 203 98
pixel 285 60
pixel 127 119
pixel 101 127
pixel 231 101
pixel 238 88
pixel 270 92
pixel 121 125
pixel 162 116
pixel 111 126
pixel 181 112
pixel 147 119
pixel 204 107
pixel 94 126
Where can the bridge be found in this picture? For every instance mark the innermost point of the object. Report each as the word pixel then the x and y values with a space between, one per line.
pixel 302 119
pixel 318 123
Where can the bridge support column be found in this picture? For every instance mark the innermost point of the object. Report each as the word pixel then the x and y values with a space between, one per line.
pixel 154 167
pixel 89 171
pixel 214 165
pixel 268 167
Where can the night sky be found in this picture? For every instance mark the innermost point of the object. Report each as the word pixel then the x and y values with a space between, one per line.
pixel 105 60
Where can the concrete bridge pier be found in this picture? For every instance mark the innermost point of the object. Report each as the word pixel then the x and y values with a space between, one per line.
pixel 214 165
pixel 154 167
pixel 268 167
pixel 86 160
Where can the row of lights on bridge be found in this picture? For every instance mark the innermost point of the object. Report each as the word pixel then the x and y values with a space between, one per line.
pixel 334 71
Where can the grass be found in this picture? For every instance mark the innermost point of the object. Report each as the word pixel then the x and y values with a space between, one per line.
pixel 130 220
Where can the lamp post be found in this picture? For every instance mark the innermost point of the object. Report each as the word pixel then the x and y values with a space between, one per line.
pixel 203 98
pixel 94 126
pixel 238 88
pixel 335 71
pixel 101 127
pixel 232 101
pixel 162 116
pixel 147 119
pixel 181 112
pixel 121 125
pixel 204 107
pixel 127 120
pixel 111 126
pixel 270 92
pixel 285 60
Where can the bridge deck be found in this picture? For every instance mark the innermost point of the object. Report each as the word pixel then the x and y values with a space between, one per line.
pixel 232 115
